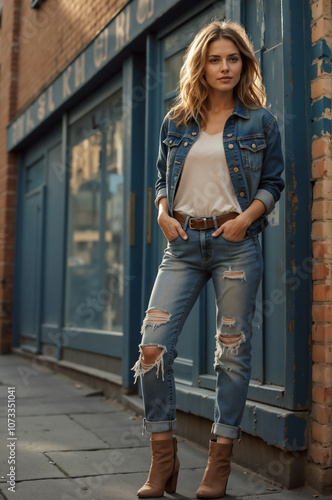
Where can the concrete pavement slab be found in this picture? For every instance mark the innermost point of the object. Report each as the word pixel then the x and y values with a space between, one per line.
pixel 128 428
pixel 58 406
pixel 48 489
pixel 30 465
pixel 55 432
pixel 97 444
pixel 125 486
pixel 59 401
pixel 119 461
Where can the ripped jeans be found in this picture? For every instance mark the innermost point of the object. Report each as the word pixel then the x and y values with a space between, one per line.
pixel 187 265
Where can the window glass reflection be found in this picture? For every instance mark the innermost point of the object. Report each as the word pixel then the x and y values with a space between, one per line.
pixel 94 288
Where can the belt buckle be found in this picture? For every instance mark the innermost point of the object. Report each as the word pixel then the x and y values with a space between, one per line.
pixel 198 219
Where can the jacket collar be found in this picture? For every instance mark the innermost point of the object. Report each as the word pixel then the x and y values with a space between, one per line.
pixel 240 109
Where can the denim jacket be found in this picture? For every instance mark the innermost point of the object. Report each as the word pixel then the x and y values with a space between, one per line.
pixel 253 153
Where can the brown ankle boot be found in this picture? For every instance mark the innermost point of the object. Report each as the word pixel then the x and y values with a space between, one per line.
pixel 164 469
pixel 217 471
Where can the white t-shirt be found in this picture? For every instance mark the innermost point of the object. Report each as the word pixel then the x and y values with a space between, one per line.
pixel 205 187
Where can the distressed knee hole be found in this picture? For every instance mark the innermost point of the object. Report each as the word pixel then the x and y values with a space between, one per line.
pixel 227 344
pixel 234 275
pixel 233 340
pixel 150 357
pixel 155 317
pixel 228 321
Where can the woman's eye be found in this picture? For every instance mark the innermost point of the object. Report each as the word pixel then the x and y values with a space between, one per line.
pixel 234 59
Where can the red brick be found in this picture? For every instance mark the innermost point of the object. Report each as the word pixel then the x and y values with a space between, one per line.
pixel 322 394
pixel 319 454
pixel 321 413
pixel 321 29
pixel 321 270
pixel 322 313
pixel 321 87
pixel 322 374
pixel 322 293
pixel 322 354
pixel 321 147
pixel 321 230
pixel 323 189
pixel 321 433
pixel 322 250
pixel 322 8
pixel 322 333
pixel 322 210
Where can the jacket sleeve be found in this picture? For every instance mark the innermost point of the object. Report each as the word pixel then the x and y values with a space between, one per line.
pixel 161 190
pixel 271 183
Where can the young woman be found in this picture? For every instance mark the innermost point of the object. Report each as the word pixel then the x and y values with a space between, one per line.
pixel 219 175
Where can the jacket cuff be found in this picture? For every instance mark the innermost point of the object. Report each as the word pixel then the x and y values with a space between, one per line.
pixel 267 198
pixel 161 194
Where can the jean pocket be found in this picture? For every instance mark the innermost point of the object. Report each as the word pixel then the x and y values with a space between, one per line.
pixel 252 152
pixel 174 239
pixel 232 241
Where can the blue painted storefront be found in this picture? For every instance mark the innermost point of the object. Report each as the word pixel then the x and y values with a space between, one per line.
pixel 87 241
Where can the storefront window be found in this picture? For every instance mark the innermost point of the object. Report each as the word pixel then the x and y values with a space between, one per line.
pixel 94 287
pixel 172 71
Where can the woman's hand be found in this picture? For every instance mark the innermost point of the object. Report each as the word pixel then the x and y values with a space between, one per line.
pixel 170 227
pixel 233 230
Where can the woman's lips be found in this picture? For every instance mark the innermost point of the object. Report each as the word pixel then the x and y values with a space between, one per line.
pixel 225 79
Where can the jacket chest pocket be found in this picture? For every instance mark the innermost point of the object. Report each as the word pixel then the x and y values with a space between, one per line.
pixel 172 143
pixel 252 152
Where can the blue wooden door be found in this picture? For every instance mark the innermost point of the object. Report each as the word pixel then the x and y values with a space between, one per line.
pixel 197 343
pixel 29 280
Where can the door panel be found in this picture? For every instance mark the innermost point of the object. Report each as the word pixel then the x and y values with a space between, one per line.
pixel 31 265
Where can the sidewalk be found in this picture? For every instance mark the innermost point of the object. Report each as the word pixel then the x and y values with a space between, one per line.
pixel 74 444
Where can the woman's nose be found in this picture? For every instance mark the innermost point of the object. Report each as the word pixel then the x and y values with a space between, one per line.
pixel 224 66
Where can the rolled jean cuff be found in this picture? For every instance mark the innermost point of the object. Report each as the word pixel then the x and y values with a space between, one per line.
pixel 166 425
pixel 226 431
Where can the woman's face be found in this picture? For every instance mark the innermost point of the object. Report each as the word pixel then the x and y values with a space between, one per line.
pixel 223 65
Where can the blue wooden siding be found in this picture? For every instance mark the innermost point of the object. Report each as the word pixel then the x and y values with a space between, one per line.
pixel 279 389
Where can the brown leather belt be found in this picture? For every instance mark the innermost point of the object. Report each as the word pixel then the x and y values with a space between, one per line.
pixel 204 222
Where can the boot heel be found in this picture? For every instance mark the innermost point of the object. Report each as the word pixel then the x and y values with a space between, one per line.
pixel 170 486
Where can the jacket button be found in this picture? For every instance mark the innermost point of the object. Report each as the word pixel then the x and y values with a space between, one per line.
pixel 193 133
pixel 229 135
pixel 236 169
pixel 230 146
pixel 185 144
pixel 242 194
pixel 170 142
pixel 253 146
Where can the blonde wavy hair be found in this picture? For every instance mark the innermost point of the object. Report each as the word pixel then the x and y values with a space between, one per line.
pixel 191 101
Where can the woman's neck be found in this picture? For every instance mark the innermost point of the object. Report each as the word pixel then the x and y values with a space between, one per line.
pixel 220 101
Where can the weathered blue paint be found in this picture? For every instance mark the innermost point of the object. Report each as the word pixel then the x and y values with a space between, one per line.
pixel 133 161
pixel 297 62
pixel 282 428
pixel 320 50
pixel 326 65
pixel 132 20
pixel 151 251
pixel 321 127
pixel 320 107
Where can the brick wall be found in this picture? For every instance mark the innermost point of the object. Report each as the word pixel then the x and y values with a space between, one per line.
pixel 320 450
pixel 10 26
pixel 51 36
pixel 36 44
